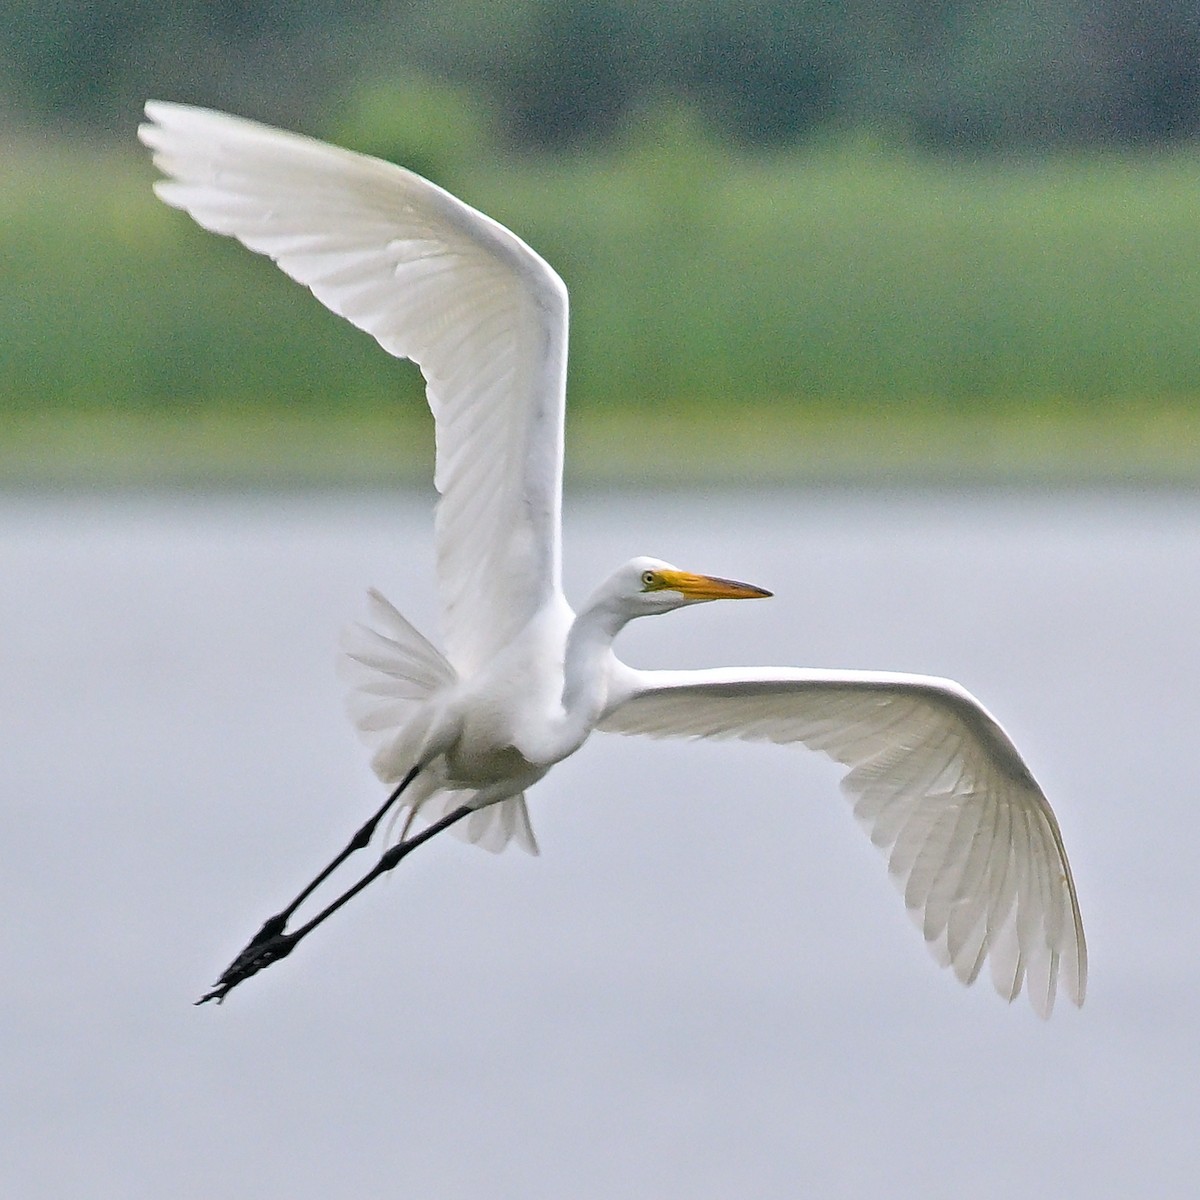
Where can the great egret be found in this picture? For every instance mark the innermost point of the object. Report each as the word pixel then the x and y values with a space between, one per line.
pixel 524 681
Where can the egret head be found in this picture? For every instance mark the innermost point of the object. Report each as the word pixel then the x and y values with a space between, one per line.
pixel 648 585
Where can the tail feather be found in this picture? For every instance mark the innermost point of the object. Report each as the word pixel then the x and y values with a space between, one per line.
pixel 494 826
pixel 393 671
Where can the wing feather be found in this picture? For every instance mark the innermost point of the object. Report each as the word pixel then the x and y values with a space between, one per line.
pixel 432 280
pixel 940 788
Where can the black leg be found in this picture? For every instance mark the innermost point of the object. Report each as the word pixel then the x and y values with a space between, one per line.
pixel 274 926
pixel 264 950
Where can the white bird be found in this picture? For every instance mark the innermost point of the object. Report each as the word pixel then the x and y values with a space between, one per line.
pixel 524 681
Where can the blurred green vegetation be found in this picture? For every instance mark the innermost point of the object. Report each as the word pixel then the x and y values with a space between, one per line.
pixel 849 293
pixel 953 75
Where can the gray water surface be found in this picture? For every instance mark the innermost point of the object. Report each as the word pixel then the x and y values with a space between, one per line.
pixel 706 986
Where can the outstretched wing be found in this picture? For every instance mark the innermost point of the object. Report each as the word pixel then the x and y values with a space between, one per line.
pixel 970 836
pixel 432 280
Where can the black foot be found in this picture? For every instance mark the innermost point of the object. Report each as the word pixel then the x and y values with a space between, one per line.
pixel 267 947
pixel 272 928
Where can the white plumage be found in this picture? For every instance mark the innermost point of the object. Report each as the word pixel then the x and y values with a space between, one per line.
pixel 937 783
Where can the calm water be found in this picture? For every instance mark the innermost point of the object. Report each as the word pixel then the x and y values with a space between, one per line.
pixel 705 987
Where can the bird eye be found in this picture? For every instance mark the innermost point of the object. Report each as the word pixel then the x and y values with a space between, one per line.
pixel 648 577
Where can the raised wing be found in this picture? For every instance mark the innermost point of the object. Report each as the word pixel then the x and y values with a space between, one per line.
pixel 969 835
pixel 432 280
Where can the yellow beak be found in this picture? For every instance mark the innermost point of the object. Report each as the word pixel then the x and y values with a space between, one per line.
pixel 709 587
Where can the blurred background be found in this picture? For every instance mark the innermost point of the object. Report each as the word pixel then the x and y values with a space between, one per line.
pixel 892 308
pixel 915 237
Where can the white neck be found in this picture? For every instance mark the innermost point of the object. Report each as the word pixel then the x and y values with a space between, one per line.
pixel 585 666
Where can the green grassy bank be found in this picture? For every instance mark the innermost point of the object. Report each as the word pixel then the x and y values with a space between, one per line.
pixel 840 311
pixel 698 447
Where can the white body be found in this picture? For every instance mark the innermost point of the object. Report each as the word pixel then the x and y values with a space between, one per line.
pixel 524 681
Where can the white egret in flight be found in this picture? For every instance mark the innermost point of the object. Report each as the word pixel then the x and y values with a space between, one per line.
pixel 524 680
